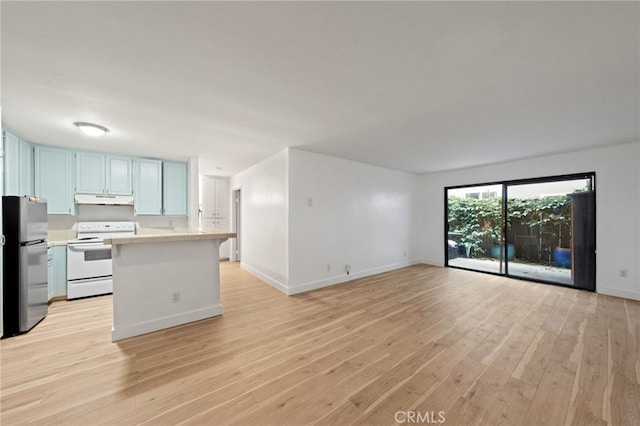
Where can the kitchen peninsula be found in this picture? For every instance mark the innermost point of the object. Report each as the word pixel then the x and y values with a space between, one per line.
pixel 165 278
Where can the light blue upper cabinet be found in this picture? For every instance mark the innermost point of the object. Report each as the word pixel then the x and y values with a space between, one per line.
pixel 98 173
pixel 54 178
pixel 147 194
pixel 90 176
pixel 174 188
pixel 119 174
pixel 11 163
pixel 26 168
pixel 18 165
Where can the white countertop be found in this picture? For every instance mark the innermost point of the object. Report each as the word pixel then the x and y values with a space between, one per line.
pixel 168 235
pixel 59 237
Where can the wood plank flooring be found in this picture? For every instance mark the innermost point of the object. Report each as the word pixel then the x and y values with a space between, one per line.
pixel 414 345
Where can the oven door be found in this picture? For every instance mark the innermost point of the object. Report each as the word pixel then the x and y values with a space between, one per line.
pixel 88 260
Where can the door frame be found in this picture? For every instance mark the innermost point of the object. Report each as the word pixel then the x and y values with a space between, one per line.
pixel 505 234
pixel 236 225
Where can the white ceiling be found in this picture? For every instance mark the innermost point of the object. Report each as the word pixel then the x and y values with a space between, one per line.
pixel 412 86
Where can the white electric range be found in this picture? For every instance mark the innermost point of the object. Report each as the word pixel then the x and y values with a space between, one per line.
pixel 89 258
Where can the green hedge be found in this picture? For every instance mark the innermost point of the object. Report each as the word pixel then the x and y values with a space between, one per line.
pixel 545 220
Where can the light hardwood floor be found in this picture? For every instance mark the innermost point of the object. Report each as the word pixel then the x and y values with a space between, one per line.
pixel 403 345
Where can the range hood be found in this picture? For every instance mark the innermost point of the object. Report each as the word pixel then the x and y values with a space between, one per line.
pixel 105 200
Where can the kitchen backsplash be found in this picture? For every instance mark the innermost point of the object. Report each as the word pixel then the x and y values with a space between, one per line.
pixel 91 213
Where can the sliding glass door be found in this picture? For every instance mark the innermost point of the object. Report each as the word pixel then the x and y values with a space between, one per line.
pixel 475 222
pixel 536 229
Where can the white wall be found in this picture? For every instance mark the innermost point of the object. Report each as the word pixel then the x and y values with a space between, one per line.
pixel 343 212
pixel 369 216
pixel 265 223
pixel 617 207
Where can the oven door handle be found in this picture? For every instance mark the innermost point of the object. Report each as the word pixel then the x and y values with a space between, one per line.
pixel 88 247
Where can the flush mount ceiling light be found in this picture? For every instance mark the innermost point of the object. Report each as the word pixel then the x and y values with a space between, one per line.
pixel 91 129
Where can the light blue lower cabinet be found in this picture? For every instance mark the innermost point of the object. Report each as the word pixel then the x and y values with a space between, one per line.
pixel 57 257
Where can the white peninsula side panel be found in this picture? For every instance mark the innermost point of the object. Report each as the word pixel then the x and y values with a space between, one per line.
pixel 158 285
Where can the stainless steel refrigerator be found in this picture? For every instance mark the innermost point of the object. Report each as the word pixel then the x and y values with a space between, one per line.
pixel 25 296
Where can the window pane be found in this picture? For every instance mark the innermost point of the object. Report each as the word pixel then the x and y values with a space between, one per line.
pixel 475 228
pixel 541 229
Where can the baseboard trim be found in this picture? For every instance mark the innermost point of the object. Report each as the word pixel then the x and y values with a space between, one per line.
pixel 432 262
pixel 617 292
pixel 314 285
pixel 266 278
pixel 137 329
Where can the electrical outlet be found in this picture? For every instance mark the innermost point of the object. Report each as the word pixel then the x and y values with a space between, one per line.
pixel 175 297
pixel 347 268
pixel 623 273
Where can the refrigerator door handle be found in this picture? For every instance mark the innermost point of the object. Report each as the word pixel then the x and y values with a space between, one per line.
pixel 32 243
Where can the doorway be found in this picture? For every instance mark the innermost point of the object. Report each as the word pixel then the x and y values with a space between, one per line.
pixel 536 229
pixel 236 226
